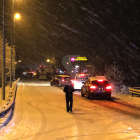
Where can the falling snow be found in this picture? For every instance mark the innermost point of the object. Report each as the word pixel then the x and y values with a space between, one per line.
pixel 106 29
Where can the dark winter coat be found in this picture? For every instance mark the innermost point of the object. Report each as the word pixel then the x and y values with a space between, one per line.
pixel 68 91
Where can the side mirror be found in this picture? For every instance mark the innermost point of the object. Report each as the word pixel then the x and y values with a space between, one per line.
pixel 83 82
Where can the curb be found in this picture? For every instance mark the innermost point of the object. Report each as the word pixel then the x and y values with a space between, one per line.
pixel 7 111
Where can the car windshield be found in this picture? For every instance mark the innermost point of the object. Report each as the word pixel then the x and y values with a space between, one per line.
pixel 66 78
pixel 103 83
pixel 81 78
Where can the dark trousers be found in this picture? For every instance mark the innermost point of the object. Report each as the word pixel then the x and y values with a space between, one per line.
pixel 69 103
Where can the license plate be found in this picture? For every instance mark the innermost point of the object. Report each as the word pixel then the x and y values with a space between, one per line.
pixel 100 91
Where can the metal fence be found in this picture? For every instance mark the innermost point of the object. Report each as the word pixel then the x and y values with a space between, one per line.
pixel 7 110
pixel 7 78
pixel 134 91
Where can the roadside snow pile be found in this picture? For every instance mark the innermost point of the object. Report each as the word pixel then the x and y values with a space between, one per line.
pixel 7 57
pixel 121 89
pixel 125 89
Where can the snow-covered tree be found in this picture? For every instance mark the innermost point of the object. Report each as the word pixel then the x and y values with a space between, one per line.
pixel 7 56
pixel 114 76
pixel 53 60
pixel 91 70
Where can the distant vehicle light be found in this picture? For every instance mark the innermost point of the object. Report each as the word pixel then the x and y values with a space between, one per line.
pixel 33 72
pixel 40 66
pixel 63 80
pixel 77 84
pixel 76 66
pixel 93 87
pixel 26 71
pixel 108 87
pixel 82 75
pixel 44 66
pixel 100 80
pixel 30 72
pixel 72 81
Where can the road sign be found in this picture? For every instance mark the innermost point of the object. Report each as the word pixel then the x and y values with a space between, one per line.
pixel 81 59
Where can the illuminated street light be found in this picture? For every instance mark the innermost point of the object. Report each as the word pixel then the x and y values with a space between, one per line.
pixel 17 16
pixel 14 17
pixel 48 60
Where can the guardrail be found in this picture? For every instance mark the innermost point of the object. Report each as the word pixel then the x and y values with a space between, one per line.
pixel 134 91
pixel 7 110
pixel 7 79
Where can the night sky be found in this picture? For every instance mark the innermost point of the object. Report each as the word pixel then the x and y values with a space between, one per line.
pixel 106 31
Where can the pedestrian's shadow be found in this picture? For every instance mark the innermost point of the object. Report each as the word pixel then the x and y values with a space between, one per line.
pixel 76 112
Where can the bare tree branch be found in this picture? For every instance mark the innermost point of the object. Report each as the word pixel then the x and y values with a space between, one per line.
pixel 114 76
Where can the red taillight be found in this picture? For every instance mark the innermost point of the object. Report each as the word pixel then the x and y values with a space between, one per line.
pixel 93 87
pixel 44 66
pixel 100 80
pixel 63 80
pixel 108 87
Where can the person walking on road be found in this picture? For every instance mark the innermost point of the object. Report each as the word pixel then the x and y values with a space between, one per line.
pixel 69 89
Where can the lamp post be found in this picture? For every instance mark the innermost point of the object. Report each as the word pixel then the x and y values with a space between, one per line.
pixel 3 54
pixel 16 17
pixel 11 44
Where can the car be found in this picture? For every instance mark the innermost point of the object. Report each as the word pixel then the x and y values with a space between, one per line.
pixel 60 80
pixel 77 82
pixel 96 86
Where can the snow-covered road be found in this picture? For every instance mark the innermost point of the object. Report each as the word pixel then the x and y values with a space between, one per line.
pixel 40 114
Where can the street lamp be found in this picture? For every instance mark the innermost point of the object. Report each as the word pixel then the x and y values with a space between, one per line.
pixel 12 18
pixel 48 60
pixel 16 17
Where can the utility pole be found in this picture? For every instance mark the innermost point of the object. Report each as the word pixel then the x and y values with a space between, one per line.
pixel 3 53
pixel 14 48
pixel 11 44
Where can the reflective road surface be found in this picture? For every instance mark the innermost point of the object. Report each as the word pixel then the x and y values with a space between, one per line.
pixel 40 114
